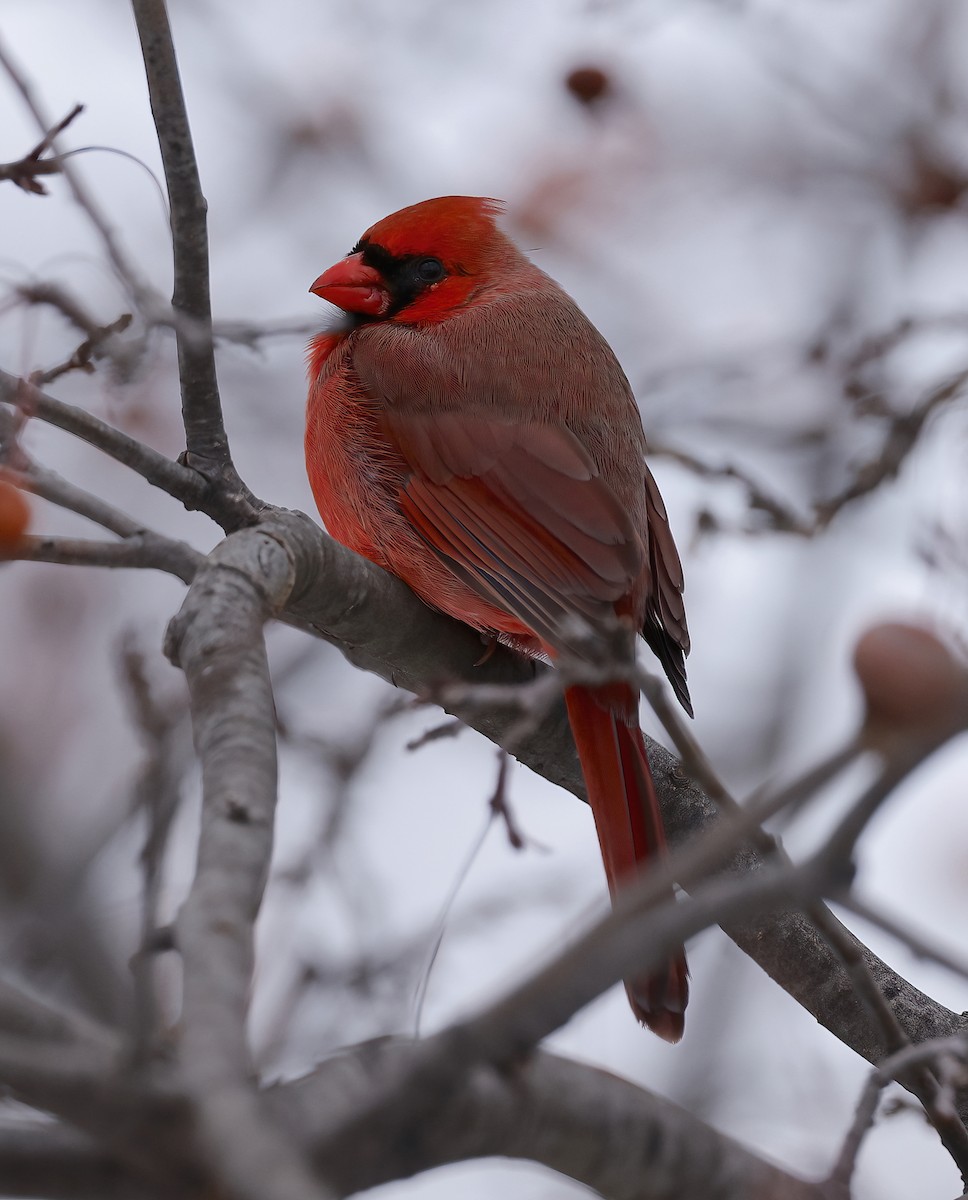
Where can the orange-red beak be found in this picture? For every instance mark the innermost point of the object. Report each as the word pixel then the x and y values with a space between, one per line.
pixel 353 286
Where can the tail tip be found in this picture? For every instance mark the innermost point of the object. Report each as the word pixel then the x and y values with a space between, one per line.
pixel 659 1002
pixel 665 1024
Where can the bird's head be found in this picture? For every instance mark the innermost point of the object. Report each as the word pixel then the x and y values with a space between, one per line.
pixel 420 263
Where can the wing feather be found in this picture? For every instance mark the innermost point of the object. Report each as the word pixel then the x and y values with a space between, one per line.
pixel 506 495
pixel 512 505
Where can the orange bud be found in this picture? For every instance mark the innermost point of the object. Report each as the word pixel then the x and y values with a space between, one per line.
pixel 14 514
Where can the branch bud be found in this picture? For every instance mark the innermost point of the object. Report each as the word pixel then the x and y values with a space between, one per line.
pixel 914 687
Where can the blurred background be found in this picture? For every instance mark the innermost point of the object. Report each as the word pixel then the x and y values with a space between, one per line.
pixel 762 205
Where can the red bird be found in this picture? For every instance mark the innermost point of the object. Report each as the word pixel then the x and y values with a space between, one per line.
pixel 470 431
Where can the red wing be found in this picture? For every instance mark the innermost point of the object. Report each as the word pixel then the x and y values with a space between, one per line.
pixel 519 512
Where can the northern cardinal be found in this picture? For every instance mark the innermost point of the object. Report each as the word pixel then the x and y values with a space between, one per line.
pixel 469 430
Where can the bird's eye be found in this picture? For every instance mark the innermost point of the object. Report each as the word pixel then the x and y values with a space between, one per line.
pixel 429 270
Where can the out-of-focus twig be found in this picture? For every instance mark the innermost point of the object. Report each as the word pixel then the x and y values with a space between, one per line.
pixel 144 296
pixel 937 1053
pixel 44 1159
pixel 25 171
pixel 96 334
pixel 181 482
pixel 915 941
pixel 635 937
pixel 902 434
pixel 157 793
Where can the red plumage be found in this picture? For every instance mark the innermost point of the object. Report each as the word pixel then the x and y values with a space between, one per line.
pixel 471 432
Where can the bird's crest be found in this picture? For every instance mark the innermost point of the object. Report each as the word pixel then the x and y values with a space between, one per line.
pixel 458 229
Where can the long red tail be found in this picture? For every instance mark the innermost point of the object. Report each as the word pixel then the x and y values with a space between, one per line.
pixel 605 725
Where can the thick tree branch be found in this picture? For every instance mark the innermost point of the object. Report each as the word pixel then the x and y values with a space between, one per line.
pixel 217 639
pixel 382 627
pixel 623 1141
pixel 50 1161
pixel 577 1120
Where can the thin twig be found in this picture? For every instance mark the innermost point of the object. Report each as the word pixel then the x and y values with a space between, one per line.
pixel 878 345
pixel 97 342
pixel 843 1169
pixel 895 1068
pixel 634 937
pixel 904 430
pixel 140 551
pixel 915 941
pixel 25 170
pixel 145 297
pixel 500 806
pixel 347 601
pixel 778 516
pixel 51 486
pixel 157 793
pixel 206 439
pixel 181 482
pixel 245 333
pixel 22 470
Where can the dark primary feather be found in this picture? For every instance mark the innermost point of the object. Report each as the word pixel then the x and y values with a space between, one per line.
pixel 665 630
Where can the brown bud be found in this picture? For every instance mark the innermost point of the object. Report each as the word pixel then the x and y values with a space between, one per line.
pixel 913 685
pixel 588 84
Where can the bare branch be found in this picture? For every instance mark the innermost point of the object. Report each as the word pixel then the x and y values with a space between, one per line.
pixel 636 936
pixel 157 793
pixel 29 476
pixel 141 551
pixel 903 432
pixel 573 1118
pixel 47 1160
pixel 207 442
pixel 915 941
pixel 217 640
pixel 51 486
pixel 24 171
pixel 145 297
pixel 181 482
pixel 904 429
pixel 620 1140
pixel 921 1082
pixel 504 1034
pixel 936 1052
pixel 346 600
pixel 777 515
pixel 251 335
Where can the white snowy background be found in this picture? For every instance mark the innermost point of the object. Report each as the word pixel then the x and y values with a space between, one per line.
pixel 763 186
